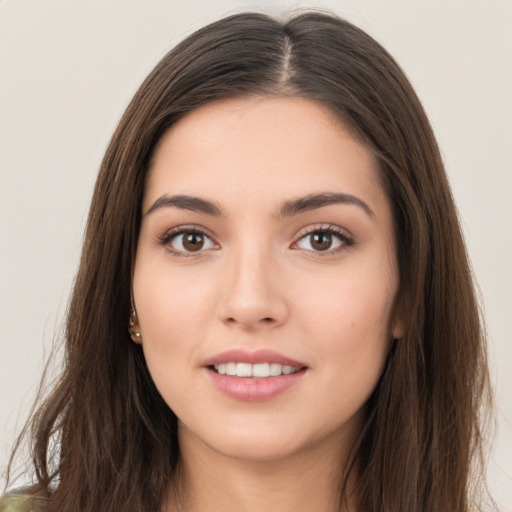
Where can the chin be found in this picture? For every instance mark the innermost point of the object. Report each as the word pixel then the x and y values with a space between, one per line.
pixel 257 450
pixel 261 442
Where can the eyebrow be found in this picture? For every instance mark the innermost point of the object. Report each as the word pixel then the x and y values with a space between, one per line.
pixel 288 208
pixel 186 202
pixel 314 201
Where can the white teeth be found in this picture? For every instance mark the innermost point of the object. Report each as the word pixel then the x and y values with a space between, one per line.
pixel 244 370
pixel 259 370
pixel 275 369
pixel 287 369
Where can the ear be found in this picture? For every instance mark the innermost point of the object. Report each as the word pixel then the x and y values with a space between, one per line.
pixel 397 322
pixel 134 328
pixel 397 329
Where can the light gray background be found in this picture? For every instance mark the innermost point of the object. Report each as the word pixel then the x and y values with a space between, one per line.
pixel 67 71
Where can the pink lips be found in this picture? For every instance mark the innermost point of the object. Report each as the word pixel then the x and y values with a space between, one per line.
pixel 253 389
pixel 259 356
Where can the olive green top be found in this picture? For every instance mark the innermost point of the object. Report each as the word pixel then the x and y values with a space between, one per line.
pixel 16 503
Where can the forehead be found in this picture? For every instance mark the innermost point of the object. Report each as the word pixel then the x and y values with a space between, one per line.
pixel 254 150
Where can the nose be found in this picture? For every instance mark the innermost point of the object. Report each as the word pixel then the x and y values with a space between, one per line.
pixel 252 295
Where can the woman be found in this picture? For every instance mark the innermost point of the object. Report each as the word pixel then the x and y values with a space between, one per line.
pixel 274 306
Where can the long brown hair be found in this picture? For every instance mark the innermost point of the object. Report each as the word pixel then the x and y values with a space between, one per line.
pixel 117 445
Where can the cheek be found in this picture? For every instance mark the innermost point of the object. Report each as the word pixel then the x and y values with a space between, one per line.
pixel 350 343
pixel 174 309
pixel 352 306
pixel 348 327
pixel 171 301
pixel 172 330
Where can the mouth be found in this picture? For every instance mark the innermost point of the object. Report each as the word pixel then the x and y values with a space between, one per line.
pixel 254 376
pixel 258 370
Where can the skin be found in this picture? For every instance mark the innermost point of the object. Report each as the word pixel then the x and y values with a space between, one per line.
pixel 259 282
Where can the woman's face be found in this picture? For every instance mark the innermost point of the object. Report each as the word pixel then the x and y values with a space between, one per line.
pixel 265 277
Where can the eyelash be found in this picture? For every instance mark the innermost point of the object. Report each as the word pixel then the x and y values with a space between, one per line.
pixel 346 241
pixel 166 239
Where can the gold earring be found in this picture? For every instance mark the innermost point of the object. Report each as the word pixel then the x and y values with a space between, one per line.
pixel 135 335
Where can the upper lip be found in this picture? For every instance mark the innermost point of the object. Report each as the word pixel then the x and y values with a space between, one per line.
pixel 254 357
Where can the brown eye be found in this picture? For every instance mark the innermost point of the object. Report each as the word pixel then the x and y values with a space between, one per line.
pixel 321 241
pixel 188 242
pixel 193 241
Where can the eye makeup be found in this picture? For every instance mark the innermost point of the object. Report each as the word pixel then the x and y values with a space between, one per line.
pixel 321 239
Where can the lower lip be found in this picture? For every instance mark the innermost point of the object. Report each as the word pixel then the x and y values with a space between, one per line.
pixel 254 389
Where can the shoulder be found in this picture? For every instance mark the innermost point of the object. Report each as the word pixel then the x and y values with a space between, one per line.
pixel 20 502
pixel 16 503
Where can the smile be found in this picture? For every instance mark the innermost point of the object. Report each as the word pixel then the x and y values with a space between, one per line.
pixel 253 376
pixel 259 370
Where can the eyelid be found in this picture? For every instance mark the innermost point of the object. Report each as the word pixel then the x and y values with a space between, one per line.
pixel 342 234
pixel 346 239
pixel 165 239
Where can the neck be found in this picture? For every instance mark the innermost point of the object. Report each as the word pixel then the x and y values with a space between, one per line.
pixel 309 481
